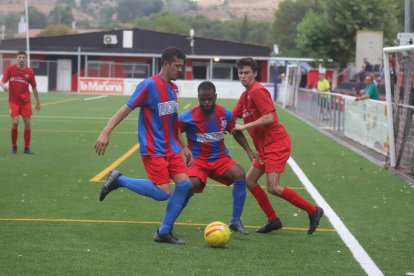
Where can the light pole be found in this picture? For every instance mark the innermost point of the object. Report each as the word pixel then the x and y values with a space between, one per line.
pixel 27 33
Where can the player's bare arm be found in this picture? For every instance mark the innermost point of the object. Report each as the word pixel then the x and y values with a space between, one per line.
pixel 184 149
pixel 241 140
pixel 264 120
pixel 36 95
pixel 103 140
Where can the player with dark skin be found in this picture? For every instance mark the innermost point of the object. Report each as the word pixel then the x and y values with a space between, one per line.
pixel 203 135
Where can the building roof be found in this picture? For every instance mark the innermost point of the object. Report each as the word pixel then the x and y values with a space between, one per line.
pixel 144 42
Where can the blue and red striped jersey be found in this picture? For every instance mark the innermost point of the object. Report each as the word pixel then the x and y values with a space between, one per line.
pixel 205 136
pixel 158 117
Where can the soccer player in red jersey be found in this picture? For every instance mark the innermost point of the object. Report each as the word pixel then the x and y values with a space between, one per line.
pixel 161 143
pixel 205 126
pixel 19 77
pixel 272 143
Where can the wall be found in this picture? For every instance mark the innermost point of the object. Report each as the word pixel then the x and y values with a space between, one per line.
pixel 369 44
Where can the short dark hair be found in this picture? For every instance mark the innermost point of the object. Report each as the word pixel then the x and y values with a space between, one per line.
pixel 21 52
pixel 169 53
pixel 206 86
pixel 247 61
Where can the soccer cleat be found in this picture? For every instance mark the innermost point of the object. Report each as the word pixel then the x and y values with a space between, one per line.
pixel 28 151
pixel 270 226
pixel 110 184
pixel 314 220
pixel 238 227
pixel 14 149
pixel 167 238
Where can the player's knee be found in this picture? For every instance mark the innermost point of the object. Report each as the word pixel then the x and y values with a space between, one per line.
pixel 183 185
pixel 275 190
pixel 250 185
pixel 162 196
pixel 195 184
pixel 239 174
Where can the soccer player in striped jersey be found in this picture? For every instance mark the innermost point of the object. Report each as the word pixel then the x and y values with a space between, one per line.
pixel 161 143
pixel 205 127
pixel 272 143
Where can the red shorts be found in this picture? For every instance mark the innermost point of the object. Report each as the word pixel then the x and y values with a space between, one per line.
pixel 24 109
pixel 160 168
pixel 274 156
pixel 215 170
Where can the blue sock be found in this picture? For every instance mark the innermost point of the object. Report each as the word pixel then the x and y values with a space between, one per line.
pixel 175 206
pixel 143 187
pixel 239 197
pixel 187 198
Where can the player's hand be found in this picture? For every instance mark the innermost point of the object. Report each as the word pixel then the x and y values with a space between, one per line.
pixel 37 106
pixel 101 143
pixel 188 156
pixel 5 88
pixel 254 155
pixel 238 127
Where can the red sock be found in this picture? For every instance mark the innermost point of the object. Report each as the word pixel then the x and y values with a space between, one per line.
pixel 27 135
pixel 297 200
pixel 264 202
pixel 14 136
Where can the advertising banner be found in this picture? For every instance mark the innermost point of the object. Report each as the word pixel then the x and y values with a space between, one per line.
pixel 101 86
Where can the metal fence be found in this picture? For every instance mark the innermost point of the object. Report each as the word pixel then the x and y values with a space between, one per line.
pixel 324 109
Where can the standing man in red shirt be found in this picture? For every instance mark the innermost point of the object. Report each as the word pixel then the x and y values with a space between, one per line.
pixel 19 77
pixel 272 142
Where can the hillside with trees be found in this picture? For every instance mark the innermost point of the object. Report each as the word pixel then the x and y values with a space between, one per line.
pixel 301 28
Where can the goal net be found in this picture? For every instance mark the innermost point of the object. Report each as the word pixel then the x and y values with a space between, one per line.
pixel 399 85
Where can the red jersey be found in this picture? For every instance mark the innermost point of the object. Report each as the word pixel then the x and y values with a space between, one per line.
pixel 19 81
pixel 253 104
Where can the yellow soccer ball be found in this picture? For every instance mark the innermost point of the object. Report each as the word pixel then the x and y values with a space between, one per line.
pixel 217 234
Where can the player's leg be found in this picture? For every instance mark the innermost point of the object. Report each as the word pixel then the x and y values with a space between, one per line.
pixel 238 177
pixel 27 134
pixel 177 171
pixel 273 222
pixel 14 116
pixel 275 159
pixel 157 187
pixel 274 187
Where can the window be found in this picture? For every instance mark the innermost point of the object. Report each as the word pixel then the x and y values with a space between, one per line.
pixel 223 71
pixel 136 69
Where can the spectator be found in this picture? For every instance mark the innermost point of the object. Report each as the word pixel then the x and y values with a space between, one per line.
pixel 324 87
pixel 323 84
pixel 366 68
pixel 371 91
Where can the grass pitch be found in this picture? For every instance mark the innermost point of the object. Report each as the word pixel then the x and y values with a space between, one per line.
pixel 51 222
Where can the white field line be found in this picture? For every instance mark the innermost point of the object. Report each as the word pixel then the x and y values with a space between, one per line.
pixel 72 117
pixel 95 98
pixel 350 241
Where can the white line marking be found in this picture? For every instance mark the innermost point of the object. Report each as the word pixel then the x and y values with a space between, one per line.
pixel 71 117
pixel 350 241
pixel 95 98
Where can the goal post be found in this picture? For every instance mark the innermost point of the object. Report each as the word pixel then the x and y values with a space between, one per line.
pixel 399 89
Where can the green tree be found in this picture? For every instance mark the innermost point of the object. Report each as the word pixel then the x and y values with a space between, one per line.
pixel 10 21
pixel 331 32
pixel 37 19
pixel 55 29
pixel 106 15
pixel 129 10
pixel 165 21
pixel 61 14
pixel 244 32
pixel 284 28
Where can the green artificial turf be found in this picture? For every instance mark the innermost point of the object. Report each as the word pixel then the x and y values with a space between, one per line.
pixel 51 222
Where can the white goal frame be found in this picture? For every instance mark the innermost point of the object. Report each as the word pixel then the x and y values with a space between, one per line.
pixel 386 53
